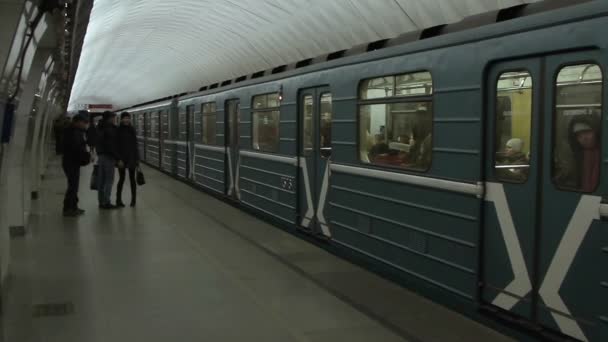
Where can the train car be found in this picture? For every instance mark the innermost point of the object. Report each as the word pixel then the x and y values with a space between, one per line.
pixel 467 161
pixel 152 129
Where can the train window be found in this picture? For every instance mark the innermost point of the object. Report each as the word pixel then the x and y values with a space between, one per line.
pixel 307 127
pixel 209 123
pixel 325 133
pixel 576 128
pixel 198 126
pixel 273 100
pixel 265 117
pixel 376 88
pixel 416 84
pixel 260 101
pixel 397 132
pixel 513 126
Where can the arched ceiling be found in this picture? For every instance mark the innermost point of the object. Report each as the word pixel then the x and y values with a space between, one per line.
pixel 139 50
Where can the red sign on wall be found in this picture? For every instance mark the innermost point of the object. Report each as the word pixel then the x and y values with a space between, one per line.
pixel 101 106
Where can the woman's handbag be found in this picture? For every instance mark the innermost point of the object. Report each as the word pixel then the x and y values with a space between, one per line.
pixel 94 177
pixel 141 180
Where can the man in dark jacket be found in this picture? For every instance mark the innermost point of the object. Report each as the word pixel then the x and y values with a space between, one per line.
pixel 129 155
pixel 109 158
pixel 75 155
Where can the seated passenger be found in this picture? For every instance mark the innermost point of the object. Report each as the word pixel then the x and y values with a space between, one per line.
pixel 423 159
pixel 380 147
pixel 585 146
pixel 420 149
pixel 513 152
pixel 514 156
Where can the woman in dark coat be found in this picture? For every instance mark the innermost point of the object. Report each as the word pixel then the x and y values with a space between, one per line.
pixel 129 155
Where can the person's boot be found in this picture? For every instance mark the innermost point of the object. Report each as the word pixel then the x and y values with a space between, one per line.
pixel 132 203
pixel 119 204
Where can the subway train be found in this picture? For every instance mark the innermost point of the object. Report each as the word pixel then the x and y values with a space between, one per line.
pixel 465 161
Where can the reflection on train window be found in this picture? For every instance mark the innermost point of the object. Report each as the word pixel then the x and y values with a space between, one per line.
pixel 513 126
pixel 266 116
pixel 325 132
pixel 577 133
pixel 397 133
pixel 377 88
pixel 209 123
pixel 307 125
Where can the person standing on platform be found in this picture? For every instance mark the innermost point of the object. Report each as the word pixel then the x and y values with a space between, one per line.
pixel 129 155
pixel 75 155
pixel 108 158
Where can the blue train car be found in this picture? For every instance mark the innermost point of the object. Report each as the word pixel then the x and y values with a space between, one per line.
pixel 466 161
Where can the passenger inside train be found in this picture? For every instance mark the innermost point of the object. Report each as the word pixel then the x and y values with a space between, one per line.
pixel 581 169
pixel 513 163
pixel 577 156
pixel 407 143
pixel 402 126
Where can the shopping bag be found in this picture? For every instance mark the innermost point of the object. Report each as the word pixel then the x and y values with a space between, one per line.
pixel 141 180
pixel 94 177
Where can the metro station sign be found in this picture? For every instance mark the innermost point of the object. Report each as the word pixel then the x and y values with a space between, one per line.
pixel 100 107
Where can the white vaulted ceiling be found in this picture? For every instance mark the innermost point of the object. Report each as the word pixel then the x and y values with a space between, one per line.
pixel 139 50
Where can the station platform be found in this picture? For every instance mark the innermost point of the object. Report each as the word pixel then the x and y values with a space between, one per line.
pixel 185 266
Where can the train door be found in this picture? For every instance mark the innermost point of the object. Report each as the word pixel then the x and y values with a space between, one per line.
pixel 315 114
pixel 232 109
pixel 141 135
pixel 155 133
pixel 190 141
pixel 165 147
pixel 182 153
pixel 146 117
pixel 543 228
